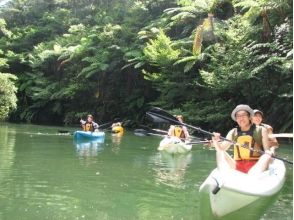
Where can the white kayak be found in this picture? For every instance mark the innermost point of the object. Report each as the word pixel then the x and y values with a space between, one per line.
pixel 231 190
pixel 174 145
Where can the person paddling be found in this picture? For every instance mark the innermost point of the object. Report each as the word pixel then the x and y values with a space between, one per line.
pixel 89 124
pixel 257 119
pixel 116 128
pixel 248 135
pixel 177 130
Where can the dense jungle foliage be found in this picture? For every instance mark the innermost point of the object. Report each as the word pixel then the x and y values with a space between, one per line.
pixel 115 58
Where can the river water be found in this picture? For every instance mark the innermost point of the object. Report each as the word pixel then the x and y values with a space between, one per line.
pixel 45 175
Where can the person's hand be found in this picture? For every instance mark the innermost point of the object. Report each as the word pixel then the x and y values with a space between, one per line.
pixel 215 140
pixel 270 152
pixel 208 144
pixel 216 137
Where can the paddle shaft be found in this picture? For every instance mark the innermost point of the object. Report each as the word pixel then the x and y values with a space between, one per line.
pixel 159 135
pixel 198 142
pixel 151 130
pixel 108 123
pixel 209 133
pixel 189 126
pixel 281 135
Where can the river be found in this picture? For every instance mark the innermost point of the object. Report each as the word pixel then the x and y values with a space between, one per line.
pixel 45 175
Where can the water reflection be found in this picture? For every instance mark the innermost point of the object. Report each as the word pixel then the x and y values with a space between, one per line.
pixel 116 141
pixel 89 148
pixel 7 154
pixel 170 169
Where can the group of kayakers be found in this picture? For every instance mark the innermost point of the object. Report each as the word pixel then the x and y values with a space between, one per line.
pixel 92 126
pixel 249 138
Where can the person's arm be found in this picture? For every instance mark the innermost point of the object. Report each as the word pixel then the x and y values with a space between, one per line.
pixel 95 125
pixel 265 142
pixel 82 122
pixel 187 135
pixel 272 141
pixel 170 130
pixel 224 145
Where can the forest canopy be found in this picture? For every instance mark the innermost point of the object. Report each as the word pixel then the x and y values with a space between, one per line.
pixel 114 59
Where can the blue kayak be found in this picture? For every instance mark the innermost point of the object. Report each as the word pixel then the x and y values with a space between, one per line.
pixel 87 135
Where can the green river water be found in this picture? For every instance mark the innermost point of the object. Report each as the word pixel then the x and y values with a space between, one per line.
pixel 44 175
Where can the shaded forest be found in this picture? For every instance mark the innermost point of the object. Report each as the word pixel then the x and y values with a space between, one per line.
pixel 63 59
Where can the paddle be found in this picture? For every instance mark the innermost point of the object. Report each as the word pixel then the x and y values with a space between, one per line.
pixel 150 131
pixel 159 115
pixel 199 142
pixel 164 116
pixel 63 132
pixel 156 131
pixel 104 126
pixel 142 132
pixel 281 135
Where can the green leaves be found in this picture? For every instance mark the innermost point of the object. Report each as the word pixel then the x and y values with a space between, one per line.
pixel 8 97
pixel 160 52
pixel 110 58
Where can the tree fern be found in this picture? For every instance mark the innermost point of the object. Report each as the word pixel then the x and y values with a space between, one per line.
pixel 197 44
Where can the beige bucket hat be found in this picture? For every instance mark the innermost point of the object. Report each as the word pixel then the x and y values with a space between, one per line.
pixel 242 108
pixel 257 111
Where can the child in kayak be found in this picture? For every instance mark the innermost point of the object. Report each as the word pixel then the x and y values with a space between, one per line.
pixel 250 139
pixel 89 125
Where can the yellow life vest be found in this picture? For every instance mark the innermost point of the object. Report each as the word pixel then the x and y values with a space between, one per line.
pixel 251 139
pixel 118 129
pixel 178 132
pixel 88 127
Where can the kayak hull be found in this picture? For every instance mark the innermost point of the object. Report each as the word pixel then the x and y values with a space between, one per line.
pixel 174 145
pixel 87 135
pixel 229 191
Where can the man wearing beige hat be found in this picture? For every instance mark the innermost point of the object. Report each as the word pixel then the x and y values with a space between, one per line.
pixel 250 139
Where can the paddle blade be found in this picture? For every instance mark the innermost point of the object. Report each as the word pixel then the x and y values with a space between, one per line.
pixel 158 115
pixel 141 132
pixel 162 112
pixel 155 118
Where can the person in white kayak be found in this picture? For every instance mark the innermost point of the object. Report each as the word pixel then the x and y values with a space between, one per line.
pixel 89 125
pixel 257 119
pixel 179 130
pixel 248 135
